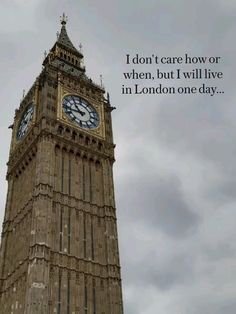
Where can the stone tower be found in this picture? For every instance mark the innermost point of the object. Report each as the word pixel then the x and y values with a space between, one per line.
pixel 59 249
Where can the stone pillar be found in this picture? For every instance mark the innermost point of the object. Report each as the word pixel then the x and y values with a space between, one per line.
pixel 37 296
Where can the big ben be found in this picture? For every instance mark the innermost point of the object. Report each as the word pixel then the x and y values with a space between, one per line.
pixel 59 248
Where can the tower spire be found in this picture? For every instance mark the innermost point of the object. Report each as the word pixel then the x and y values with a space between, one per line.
pixel 64 50
pixel 64 19
pixel 62 37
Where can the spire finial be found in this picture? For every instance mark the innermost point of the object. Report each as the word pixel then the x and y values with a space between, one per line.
pixel 80 47
pixel 101 80
pixel 63 19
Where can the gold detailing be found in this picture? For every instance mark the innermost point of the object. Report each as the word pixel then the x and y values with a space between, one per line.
pixel 63 92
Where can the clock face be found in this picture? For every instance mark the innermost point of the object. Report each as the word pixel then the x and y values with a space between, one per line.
pixel 80 111
pixel 25 122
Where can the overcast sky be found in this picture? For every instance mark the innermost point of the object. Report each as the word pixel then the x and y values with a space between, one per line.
pixel 175 171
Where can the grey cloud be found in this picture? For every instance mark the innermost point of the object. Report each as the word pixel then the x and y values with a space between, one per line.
pixel 178 270
pixel 223 190
pixel 213 306
pixel 160 203
pixel 220 251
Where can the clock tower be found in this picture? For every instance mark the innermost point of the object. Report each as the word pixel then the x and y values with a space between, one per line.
pixel 59 249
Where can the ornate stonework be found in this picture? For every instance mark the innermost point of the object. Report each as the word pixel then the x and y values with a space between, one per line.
pixel 59 250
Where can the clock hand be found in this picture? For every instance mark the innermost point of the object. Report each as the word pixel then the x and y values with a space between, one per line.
pixel 78 110
pixel 81 112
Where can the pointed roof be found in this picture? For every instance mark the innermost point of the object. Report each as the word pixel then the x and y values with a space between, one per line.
pixel 58 59
pixel 63 38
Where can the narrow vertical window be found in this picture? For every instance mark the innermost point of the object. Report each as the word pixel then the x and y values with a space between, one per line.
pixel 85 299
pixel 51 278
pixel 83 182
pixel 85 237
pixel 106 246
pixel 69 210
pixel 59 294
pixel 69 229
pixel 77 239
pixel 69 178
pixel 62 172
pixel 94 297
pixel 90 183
pixel 61 220
pixel 92 239
pixel 80 306
pixel 68 294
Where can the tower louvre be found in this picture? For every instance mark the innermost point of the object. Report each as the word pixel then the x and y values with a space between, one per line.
pixel 59 249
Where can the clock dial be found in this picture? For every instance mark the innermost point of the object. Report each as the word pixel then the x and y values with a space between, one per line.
pixel 25 122
pixel 80 112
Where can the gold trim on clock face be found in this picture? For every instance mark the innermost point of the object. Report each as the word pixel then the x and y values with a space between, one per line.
pixel 25 122
pixel 81 112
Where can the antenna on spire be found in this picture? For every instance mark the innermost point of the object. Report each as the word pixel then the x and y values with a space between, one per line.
pixel 63 19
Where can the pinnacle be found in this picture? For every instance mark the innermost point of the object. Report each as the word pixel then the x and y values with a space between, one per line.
pixel 63 37
pixel 64 19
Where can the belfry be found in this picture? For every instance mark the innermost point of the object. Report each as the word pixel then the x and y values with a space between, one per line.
pixel 59 248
